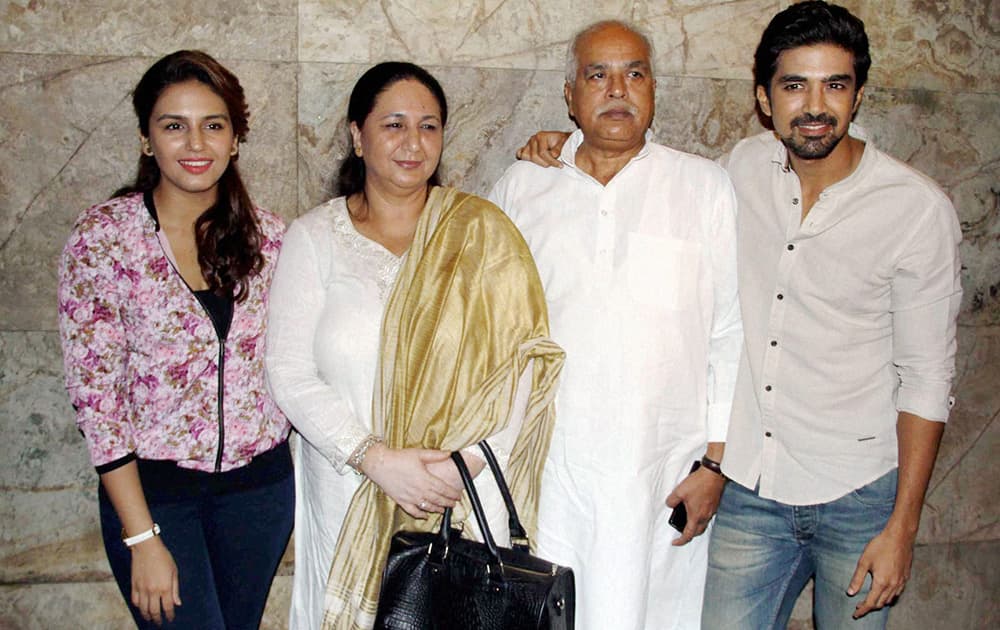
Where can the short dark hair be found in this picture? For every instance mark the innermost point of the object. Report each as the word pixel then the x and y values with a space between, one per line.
pixel 378 79
pixel 806 24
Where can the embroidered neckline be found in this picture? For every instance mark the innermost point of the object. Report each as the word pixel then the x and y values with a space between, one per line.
pixel 382 265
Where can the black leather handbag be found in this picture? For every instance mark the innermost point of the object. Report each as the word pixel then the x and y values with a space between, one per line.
pixel 441 581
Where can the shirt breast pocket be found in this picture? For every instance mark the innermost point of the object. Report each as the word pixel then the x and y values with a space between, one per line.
pixel 663 272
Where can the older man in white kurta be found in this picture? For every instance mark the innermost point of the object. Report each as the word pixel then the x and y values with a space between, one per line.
pixel 636 250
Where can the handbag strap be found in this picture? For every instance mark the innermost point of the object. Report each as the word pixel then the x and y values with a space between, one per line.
pixel 477 508
pixel 518 536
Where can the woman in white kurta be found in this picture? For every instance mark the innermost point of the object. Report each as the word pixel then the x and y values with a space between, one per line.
pixel 324 330
pixel 335 283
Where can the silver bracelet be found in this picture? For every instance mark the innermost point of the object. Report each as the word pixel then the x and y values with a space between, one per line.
pixel 358 456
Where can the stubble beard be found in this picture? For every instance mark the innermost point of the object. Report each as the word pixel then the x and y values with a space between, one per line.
pixel 813 148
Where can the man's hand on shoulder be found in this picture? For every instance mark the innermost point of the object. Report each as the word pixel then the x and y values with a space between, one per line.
pixel 544 148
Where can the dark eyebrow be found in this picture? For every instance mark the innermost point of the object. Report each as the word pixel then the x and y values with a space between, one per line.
pixel 182 118
pixel 833 78
pixel 839 78
pixel 422 118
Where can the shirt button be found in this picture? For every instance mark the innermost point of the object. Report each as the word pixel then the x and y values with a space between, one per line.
pixel 767 434
pixel 767 388
pixel 795 201
pixel 604 213
pixel 773 343
pixel 790 247
pixel 781 296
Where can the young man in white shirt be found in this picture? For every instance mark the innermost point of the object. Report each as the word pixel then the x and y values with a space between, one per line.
pixel 849 289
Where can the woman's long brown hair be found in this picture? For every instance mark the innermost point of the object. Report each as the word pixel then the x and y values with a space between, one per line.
pixel 228 234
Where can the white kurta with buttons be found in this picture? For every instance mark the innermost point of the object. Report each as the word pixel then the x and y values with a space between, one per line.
pixel 640 280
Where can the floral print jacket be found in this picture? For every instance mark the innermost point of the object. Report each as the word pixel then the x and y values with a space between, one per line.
pixel 141 355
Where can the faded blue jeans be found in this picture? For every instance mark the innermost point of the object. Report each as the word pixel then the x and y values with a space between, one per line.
pixel 762 553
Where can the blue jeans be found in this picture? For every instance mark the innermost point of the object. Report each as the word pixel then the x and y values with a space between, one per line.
pixel 227 544
pixel 762 553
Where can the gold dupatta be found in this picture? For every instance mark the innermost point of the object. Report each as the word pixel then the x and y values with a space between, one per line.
pixel 465 318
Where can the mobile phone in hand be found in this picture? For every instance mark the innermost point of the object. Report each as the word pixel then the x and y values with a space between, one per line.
pixel 679 517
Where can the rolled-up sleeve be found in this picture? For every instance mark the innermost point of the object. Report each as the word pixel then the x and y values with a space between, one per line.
pixel 926 295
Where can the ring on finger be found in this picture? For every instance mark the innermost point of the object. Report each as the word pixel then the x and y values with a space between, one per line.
pixel 422 505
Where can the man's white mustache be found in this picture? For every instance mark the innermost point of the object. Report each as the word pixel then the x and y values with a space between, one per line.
pixel 618 107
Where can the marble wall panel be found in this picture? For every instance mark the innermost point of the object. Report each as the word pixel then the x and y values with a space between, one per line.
pixel 935 45
pixel 41 444
pixel 495 33
pixel 263 30
pixel 50 534
pixel 918 43
pixel 951 586
pixel 51 114
pixel 324 90
pixel 945 135
pixel 71 140
pixel 98 604
pixel 961 499
pixel 62 606
pixel 694 38
pixel 49 485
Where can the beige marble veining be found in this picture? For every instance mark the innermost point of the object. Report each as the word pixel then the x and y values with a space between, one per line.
pixel 99 605
pixel 263 29
pixel 515 33
pixel 933 44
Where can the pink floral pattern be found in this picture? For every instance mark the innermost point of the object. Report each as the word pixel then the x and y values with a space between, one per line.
pixel 141 355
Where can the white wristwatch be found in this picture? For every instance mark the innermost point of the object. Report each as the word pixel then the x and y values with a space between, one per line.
pixel 132 541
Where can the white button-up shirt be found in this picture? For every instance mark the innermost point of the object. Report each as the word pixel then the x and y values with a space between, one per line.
pixel 640 280
pixel 849 319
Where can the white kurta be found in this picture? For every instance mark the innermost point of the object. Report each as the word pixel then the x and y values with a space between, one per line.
pixel 326 304
pixel 640 279
pixel 325 316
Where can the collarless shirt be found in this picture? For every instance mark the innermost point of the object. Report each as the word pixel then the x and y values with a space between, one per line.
pixel 640 281
pixel 639 276
pixel 849 319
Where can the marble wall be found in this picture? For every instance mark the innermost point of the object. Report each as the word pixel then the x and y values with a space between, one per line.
pixel 69 139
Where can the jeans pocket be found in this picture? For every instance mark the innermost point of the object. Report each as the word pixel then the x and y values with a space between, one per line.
pixel 879 493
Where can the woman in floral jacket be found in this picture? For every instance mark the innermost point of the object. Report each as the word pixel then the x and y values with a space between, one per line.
pixel 162 296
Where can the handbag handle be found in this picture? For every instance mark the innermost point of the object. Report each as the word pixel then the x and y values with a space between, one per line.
pixel 477 508
pixel 518 536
